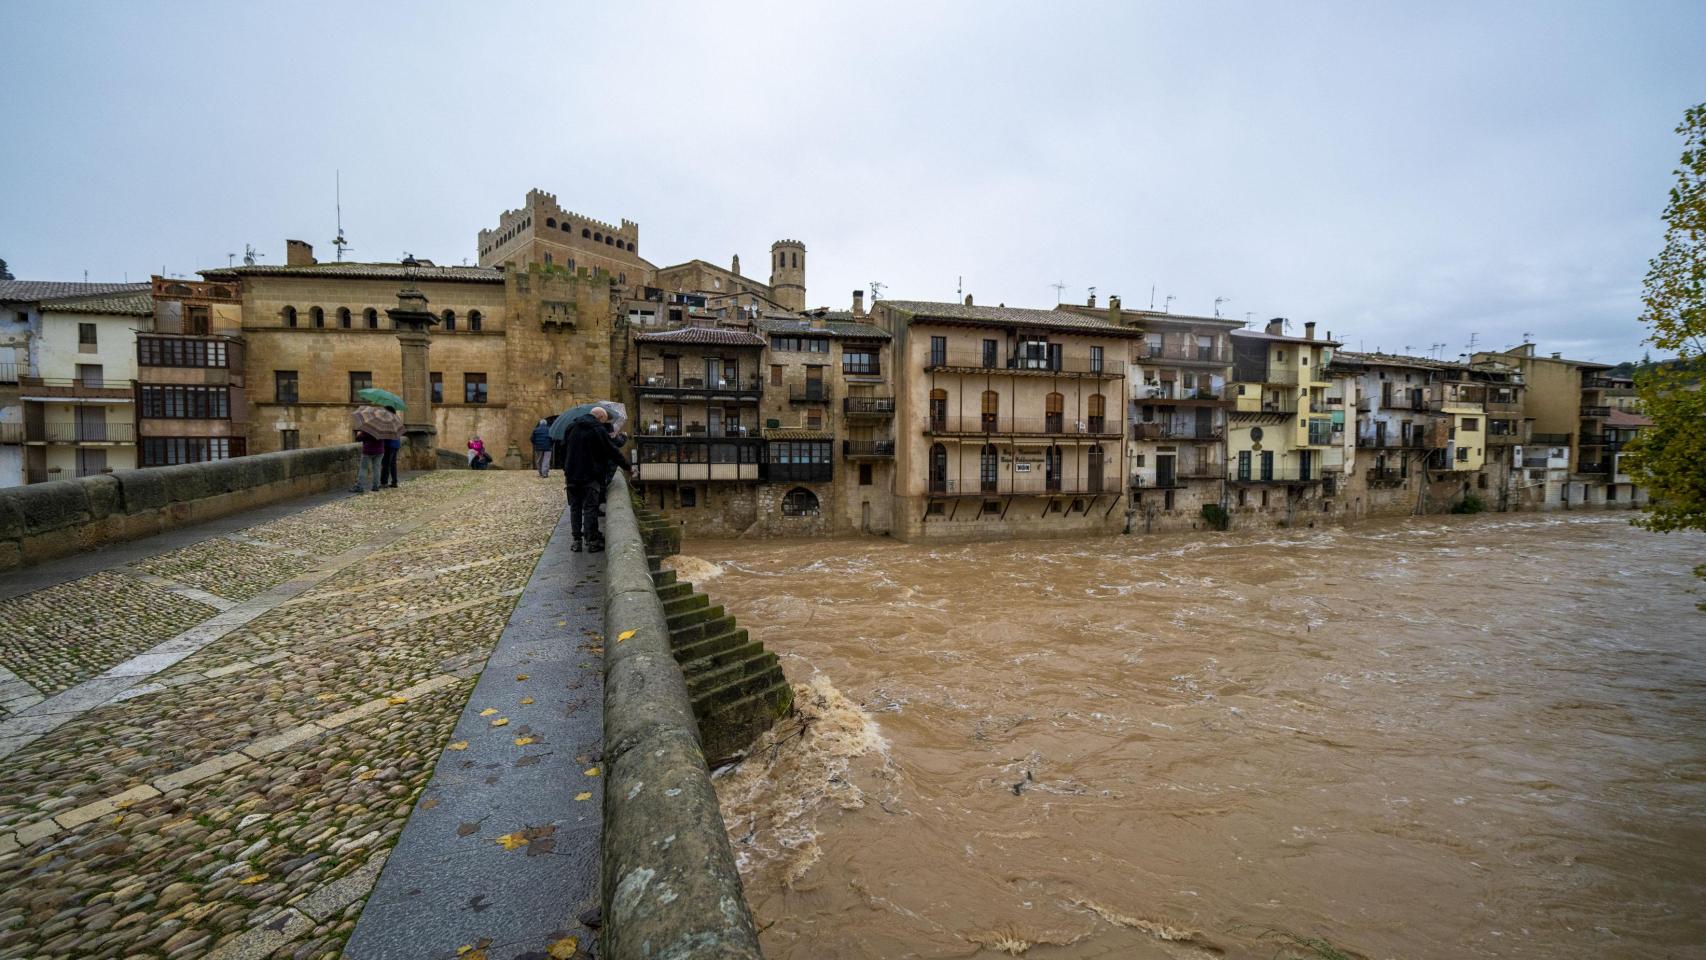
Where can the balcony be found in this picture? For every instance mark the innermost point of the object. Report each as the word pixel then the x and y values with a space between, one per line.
pixel 682 459
pixel 85 434
pixel 799 472
pixel 1412 442
pixel 1290 474
pixel 61 390
pixel 972 361
pixel 1550 439
pixel 1386 477
pixel 1048 426
pixel 1024 486
pixel 1595 413
pixel 1166 431
pixel 1164 395
pixel 1506 407
pixel 8 373
pixel 1177 353
pixel 868 449
pixel 868 406
pixel 697 431
pixel 1503 439
pixel 809 393
pixel 738 388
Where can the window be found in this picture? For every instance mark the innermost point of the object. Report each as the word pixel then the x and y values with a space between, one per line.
pixel 1095 359
pixel 1097 413
pixel 1205 348
pixel 991 353
pixel 988 464
pixel 775 374
pixel 184 403
pixel 86 334
pixel 449 319
pixel 199 320
pixel 473 388
pixel 865 475
pixel 585 233
pixel 1243 464
pixel 284 386
pixel 175 352
pixel 689 496
pixel 289 439
pixel 814 419
pixel 1054 413
pixel 474 320
pixel 938 409
pixel 359 380
pixel 859 361
pixel 1462 454
pixel 290 316
pixel 800 344
pixel 166 451
pixel 318 316
pixel 343 317
pixel 990 411
pixel 551 222
pixel 1471 424
pixel 437 387
pixel 372 317
pixel 800 502
pixel 938 351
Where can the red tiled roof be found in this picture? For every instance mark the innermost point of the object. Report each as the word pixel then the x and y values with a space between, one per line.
pixel 1626 420
pixel 716 336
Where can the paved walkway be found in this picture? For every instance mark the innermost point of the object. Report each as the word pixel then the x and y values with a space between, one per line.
pixel 208 751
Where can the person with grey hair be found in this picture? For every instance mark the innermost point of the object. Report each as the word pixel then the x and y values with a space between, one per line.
pixel 542 447
pixel 590 455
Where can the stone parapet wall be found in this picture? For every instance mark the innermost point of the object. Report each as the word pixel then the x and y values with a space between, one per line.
pixel 47 520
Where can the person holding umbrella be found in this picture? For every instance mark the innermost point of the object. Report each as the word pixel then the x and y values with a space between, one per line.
pixel 590 455
pixel 374 426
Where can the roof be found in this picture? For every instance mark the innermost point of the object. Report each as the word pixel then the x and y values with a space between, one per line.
pixel 840 329
pixel 1152 316
pixel 1282 338
pixel 1625 420
pixel 1398 360
pixel 798 433
pixel 31 290
pixel 364 271
pixel 715 336
pixel 131 303
pixel 1000 316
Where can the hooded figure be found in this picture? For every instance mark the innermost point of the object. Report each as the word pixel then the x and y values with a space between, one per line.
pixel 590 459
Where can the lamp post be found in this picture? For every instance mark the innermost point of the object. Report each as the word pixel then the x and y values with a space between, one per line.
pixel 413 323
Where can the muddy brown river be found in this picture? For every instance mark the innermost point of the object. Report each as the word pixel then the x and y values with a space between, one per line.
pixel 1437 737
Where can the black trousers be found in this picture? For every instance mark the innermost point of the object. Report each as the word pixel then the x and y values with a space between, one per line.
pixel 388 468
pixel 583 510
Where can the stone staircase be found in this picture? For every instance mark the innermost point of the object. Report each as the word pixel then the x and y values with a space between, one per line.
pixel 736 686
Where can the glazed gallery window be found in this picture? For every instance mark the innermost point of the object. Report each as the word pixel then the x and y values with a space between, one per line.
pixel 473 388
pixel 800 344
pixel 168 451
pixel 185 403
pixel 938 351
pixel 359 380
pixel 284 386
pixel 167 352
pixel 861 361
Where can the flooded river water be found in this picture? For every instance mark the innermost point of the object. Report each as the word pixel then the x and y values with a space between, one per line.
pixel 1437 737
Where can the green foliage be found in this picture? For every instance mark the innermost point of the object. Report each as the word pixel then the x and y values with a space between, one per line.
pixel 1669 457
pixel 1470 504
pixel 5 271
pixel 1216 516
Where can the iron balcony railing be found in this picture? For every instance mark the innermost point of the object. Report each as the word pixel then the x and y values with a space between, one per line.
pixel 867 449
pixel 1550 439
pixel 74 388
pixel 868 406
pixel 1048 425
pixel 697 431
pixel 809 393
pixel 1502 406
pixel 71 431
pixel 8 373
pixel 1279 474
pixel 977 360
pixel 1180 353
pixel 1411 442
pixel 1595 413
pixel 1024 486
pixel 1163 431
pixel 1163 393
pixel 658 383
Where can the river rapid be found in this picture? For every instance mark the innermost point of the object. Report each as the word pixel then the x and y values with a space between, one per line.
pixel 1435 737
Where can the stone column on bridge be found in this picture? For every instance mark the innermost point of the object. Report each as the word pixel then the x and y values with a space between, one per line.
pixel 413 323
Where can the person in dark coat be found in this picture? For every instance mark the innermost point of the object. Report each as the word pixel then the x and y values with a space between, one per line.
pixel 588 463
pixel 542 448
pixel 388 462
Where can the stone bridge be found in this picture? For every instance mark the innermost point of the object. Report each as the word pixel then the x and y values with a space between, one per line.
pixel 371 726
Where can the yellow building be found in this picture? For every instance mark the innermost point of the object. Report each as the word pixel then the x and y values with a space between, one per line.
pixel 1280 431
pixel 79 405
pixel 1566 400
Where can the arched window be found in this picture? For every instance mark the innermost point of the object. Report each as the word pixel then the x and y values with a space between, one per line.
pixel 449 318
pixel 597 237
pixel 343 317
pixel 991 410
pixel 290 316
pixel 800 502
pixel 585 233
pixel 179 289
pixel 547 259
pixel 987 465
pixel 566 227
pixel 938 468
pixel 372 317
pixel 938 409
pixel 1097 412
pixel 222 291
pixel 473 319
pixel 318 316
pixel 1054 420
pixel 609 241
pixel 550 221
pixel 630 246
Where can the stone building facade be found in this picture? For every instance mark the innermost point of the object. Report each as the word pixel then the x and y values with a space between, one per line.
pixel 191 391
pixel 541 233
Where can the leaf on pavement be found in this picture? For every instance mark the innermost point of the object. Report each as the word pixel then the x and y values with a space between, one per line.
pixel 252 879
pixel 526 700
pixel 501 721
pixel 523 741
pixel 624 635
pixel 459 745
pixel 488 711
pixel 520 677
pixel 583 795
pixel 564 949
pixel 510 841
pixel 591 771
pixel 397 700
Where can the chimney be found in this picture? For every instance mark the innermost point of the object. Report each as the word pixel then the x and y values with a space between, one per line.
pixel 968 299
pixel 1557 356
pixel 735 268
pixel 1309 329
pixel 298 253
pixel 1276 326
pixel 1090 302
pixel 817 320
pixel 858 303
pixel 1114 308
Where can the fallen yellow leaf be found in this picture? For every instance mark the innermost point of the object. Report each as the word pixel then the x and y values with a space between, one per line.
pixel 459 745
pixel 564 949
pixel 523 741
pixel 118 819
pixel 526 699
pixel 592 771
pixel 625 635
pixel 520 676
pixel 583 795
pixel 488 711
pixel 510 841
pixel 562 623
pixel 326 696
pixel 501 721
pixel 396 700
pixel 463 949
pixel 252 879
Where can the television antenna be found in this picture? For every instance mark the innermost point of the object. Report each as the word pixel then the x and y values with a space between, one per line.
pixel 1473 338
pixel 1167 304
pixel 249 255
pixel 1218 301
pixel 877 290
pixel 1248 315
pixel 340 242
pixel 230 259
pixel 1059 288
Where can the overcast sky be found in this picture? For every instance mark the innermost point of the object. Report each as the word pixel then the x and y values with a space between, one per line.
pixel 1402 174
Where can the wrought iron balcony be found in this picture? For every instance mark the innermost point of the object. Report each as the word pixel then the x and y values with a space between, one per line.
pixel 867 449
pixel 1051 425
pixel 71 431
pixel 975 361
pixel 809 393
pixel 667 386
pixel 73 389
pixel 868 406
pixel 1024 486
pixel 1165 431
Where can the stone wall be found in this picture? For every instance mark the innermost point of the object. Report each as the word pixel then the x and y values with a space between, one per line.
pixel 47 520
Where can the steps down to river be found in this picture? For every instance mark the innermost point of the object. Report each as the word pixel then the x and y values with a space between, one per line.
pixel 736 686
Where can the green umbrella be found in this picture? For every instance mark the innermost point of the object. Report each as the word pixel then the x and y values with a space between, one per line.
pixel 383 398
pixel 560 426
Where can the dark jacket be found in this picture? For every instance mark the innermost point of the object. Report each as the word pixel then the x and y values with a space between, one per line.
pixel 590 452
pixel 542 437
pixel 371 446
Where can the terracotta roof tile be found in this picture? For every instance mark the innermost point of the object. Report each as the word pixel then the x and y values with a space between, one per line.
pixel 717 336
pixel 18 291
pixel 1010 317
pixel 364 271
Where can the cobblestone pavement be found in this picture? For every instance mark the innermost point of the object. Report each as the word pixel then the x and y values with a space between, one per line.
pixel 239 801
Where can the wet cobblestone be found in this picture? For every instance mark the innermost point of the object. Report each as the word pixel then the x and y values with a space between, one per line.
pixel 61 636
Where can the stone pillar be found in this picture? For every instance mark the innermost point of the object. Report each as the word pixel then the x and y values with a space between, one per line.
pixel 414 322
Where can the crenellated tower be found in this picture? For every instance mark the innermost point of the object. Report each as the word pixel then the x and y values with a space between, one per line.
pixel 788 273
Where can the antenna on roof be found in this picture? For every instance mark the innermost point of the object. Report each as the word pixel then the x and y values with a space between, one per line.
pixel 1059 288
pixel 877 290
pixel 1472 339
pixel 249 255
pixel 959 289
pixel 1248 314
pixel 1218 301
pixel 230 259
pixel 340 242
pixel 1167 304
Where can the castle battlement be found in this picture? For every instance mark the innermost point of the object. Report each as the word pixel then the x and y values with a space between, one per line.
pixel 540 204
